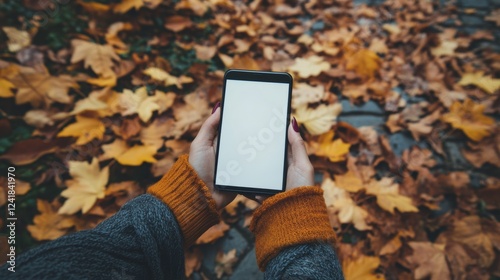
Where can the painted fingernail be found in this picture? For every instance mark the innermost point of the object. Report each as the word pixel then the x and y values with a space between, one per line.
pixel 215 107
pixel 295 125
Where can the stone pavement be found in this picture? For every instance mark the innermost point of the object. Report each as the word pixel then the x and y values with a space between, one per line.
pixel 368 114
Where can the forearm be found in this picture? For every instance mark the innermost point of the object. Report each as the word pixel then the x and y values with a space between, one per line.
pixel 142 240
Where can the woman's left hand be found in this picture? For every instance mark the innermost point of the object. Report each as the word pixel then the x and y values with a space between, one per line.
pixel 202 157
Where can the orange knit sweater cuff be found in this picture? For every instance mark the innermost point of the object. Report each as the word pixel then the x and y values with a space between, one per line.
pixel 189 199
pixel 290 218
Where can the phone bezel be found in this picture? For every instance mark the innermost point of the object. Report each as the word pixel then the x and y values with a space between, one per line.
pixel 257 76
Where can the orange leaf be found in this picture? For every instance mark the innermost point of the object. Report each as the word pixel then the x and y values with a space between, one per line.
pixel 469 118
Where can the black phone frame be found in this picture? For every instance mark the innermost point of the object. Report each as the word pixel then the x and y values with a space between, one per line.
pixel 257 76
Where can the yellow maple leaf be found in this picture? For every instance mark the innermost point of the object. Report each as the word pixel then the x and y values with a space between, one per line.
pixel 388 197
pixel 98 57
pixel 166 78
pixel 335 150
pixel 311 66
pixel 349 181
pixel 319 120
pixel 197 6
pixel 18 39
pixel 486 83
pixel 85 129
pixel 48 225
pixel 136 155
pixel 345 208
pixel 361 268
pixel 364 62
pixel 88 184
pixel 469 118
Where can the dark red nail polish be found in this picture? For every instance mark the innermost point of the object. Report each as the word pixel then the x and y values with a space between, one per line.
pixel 215 107
pixel 295 125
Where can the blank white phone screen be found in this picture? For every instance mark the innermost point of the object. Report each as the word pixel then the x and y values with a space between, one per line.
pixel 253 133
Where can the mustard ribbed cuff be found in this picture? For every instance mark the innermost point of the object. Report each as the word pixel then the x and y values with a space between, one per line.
pixel 290 218
pixel 189 199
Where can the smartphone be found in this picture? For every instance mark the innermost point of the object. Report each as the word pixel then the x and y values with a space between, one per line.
pixel 252 145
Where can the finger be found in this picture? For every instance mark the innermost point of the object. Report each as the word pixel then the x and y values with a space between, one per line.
pixel 299 152
pixel 208 130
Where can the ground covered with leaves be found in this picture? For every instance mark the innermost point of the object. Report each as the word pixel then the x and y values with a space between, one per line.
pixel 99 98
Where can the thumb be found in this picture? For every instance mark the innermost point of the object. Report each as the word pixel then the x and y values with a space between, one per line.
pixel 208 130
pixel 299 152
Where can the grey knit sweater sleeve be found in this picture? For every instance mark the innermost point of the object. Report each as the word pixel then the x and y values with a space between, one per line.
pixel 143 241
pixel 316 261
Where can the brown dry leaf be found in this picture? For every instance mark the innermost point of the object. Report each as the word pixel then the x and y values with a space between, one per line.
pixel 311 66
pixel 198 7
pixel 112 34
pixel 126 5
pixel 394 123
pixel 213 233
pixel 88 184
pixel 154 134
pixel 319 120
pixel 446 47
pixel 163 165
pixel 205 52
pixel 18 39
pixel 361 268
pixel 424 126
pixel 193 258
pixel 28 151
pixel 40 88
pixel 123 191
pixel 98 57
pixel 49 225
pixel 364 62
pixel 127 128
pixel 430 261
pixel 392 246
pixel 388 197
pixel 144 105
pixel 494 16
pixel 486 83
pixel 304 94
pixel 177 23
pixel 335 150
pixel 137 155
pixel 191 115
pixel 483 152
pixel 342 204
pixel 378 46
pixel 245 62
pixel 85 129
pixel 224 263
pixel 167 79
pixel 480 235
pixel 468 117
